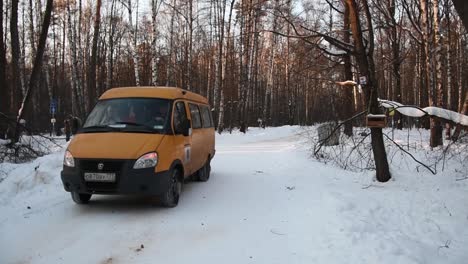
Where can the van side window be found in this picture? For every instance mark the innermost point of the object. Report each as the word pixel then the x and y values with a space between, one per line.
pixel 179 117
pixel 206 117
pixel 196 118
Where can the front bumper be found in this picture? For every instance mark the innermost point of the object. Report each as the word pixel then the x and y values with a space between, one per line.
pixel 128 180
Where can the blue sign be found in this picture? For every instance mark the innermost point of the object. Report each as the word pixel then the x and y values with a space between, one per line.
pixel 53 106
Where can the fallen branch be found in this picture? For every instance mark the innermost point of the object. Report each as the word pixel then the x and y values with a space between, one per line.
pixel 402 149
pixel 30 132
pixel 276 233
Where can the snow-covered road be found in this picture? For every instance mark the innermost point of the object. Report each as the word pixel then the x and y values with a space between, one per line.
pixel 266 202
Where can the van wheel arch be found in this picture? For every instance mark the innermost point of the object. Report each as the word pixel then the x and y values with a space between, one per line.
pixel 177 165
pixel 203 174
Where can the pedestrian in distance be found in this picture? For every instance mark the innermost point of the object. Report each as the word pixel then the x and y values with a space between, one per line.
pixel 67 129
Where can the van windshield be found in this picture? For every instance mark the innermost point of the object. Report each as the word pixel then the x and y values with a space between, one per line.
pixel 129 115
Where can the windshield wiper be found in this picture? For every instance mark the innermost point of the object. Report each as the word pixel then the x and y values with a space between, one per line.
pixel 99 128
pixel 137 125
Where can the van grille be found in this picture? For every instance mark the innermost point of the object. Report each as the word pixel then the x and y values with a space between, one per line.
pixel 109 166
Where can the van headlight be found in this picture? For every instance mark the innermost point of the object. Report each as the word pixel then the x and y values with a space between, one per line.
pixel 147 161
pixel 68 160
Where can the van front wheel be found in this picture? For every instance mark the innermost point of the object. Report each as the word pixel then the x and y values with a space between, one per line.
pixel 171 197
pixel 80 198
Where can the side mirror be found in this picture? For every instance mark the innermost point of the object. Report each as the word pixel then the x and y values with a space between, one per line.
pixel 186 128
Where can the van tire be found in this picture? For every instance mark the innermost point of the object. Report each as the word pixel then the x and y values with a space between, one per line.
pixel 80 198
pixel 170 198
pixel 204 172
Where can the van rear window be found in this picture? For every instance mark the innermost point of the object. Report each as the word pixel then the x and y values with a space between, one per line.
pixel 195 114
pixel 206 116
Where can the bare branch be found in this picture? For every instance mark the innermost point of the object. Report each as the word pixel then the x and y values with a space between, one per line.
pixel 402 149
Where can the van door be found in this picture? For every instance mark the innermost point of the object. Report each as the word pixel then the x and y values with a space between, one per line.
pixel 181 141
pixel 199 157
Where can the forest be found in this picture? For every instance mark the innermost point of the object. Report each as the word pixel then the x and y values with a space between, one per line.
pixel 272 63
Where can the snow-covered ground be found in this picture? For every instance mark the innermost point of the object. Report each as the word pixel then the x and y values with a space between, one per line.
pixel 267 201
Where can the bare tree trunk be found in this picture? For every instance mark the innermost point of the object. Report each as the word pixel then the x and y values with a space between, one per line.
pixel 396 60
pixel 190 45
pixel 436 126
pixel 271 65
pixel 35 75
pixel 456 133
pixel 366 66
pixel 92 64
pixel 154 60
pixel 448 48
pixel 32 38
pixel 4 88
pixel 76 98
pixel 134 44
pixel 224 66
pixel 218 89
pixel 461 55
pixel 426 95
pixel 23 52
pixel 110 55
pixel 80 67
pixel 15 54
pixel 348 93
pixel 170 80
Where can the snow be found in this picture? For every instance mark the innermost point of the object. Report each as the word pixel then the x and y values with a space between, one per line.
pixel 267 201
pixel 414 111
pixel 447 114
pixel 347 83
pixel 376 116
pixel 330 48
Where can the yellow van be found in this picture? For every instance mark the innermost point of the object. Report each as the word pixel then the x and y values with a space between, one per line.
pixel 141 140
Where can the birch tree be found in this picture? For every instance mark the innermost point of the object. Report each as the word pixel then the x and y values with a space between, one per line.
pixel 155 6
pixel 437 97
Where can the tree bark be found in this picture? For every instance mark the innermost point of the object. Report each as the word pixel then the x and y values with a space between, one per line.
pixel 366 66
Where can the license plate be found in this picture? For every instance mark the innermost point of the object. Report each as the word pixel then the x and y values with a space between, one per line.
pixel 99 177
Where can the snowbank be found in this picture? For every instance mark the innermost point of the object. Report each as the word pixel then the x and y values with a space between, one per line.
pixel 254 134
pixel 266 202
pixel 414 111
